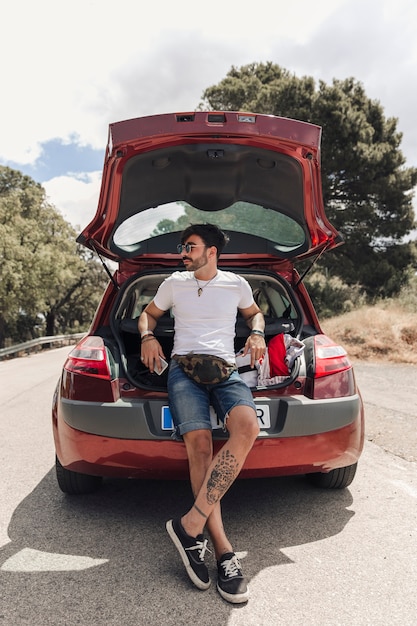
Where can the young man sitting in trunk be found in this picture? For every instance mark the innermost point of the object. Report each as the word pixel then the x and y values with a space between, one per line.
pixel 205 301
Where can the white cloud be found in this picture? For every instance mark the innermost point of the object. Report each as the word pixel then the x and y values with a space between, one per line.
pixel 72 69
pixel 76 197
pixel 65 76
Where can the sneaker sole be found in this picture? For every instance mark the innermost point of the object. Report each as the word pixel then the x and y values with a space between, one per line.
pixel 234 598
pixel 177 543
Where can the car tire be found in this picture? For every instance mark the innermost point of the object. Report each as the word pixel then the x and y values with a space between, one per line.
pixel 339 478
pixel 74 483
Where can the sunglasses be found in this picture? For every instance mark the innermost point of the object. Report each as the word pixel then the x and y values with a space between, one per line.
pixel 188 247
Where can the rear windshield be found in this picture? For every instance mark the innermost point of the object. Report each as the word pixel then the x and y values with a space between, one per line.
pixel 241 217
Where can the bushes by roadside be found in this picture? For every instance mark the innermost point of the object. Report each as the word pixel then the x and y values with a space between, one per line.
pixel 386 330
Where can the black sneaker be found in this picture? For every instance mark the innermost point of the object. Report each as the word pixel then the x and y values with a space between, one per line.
pixel 230 584
pixel 192 551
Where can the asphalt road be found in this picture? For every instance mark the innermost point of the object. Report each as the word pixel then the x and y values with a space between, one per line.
pixel 313 557
pixel 390 394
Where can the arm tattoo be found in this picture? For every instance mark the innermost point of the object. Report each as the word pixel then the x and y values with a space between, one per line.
pixel 222 476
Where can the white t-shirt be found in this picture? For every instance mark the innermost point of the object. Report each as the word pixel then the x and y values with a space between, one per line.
pixel 204 324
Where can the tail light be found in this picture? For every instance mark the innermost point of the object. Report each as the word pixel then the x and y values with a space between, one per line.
pixel 330 358
pixel 329 371
pixel 89 358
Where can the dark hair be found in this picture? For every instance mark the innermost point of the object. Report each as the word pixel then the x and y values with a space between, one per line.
pixel 209 233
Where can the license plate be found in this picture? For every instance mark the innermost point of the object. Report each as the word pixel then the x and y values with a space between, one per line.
pixel 262 412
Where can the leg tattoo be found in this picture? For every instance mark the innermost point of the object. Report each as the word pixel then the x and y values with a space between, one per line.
pixel 222 476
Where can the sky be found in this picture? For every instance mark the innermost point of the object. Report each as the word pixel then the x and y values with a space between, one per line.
pixel 69 69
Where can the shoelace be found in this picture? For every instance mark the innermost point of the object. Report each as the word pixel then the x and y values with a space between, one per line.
pixel 202 548
pixel 231 567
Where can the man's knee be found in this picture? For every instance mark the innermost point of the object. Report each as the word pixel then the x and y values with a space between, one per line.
pixel 242 421
pixel 199 443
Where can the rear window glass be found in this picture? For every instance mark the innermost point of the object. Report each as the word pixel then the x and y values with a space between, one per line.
pixel 241 217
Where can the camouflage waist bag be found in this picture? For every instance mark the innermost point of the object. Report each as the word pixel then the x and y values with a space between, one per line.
pixel 204 368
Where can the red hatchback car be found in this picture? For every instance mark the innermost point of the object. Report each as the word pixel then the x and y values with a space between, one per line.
pixel 258 178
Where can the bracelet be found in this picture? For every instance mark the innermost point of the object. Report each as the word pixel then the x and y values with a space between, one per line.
pixel 257 332
pixel 148 338
pixel 145 333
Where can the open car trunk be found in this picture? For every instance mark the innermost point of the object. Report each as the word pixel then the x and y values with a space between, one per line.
pixel 272 293
pixel 255 176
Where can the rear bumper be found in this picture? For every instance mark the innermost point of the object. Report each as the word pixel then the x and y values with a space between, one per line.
pixel 156 458
pixel 291 416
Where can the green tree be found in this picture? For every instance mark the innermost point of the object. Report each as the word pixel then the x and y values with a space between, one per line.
pixel 42 271
pixel 367 187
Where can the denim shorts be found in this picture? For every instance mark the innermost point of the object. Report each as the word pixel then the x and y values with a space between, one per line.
pixel 189 402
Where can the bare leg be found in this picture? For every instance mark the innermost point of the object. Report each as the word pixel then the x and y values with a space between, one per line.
pixel 199 446
pixel 220 474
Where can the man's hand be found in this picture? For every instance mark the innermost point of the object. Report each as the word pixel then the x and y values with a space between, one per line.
pixel 151 349
pixel 150 352
pixel 255 344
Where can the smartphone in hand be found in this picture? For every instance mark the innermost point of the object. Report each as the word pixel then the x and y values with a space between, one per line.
pixel 160 367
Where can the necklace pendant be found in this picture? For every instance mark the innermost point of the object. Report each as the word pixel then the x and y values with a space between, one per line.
pixel 199 291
